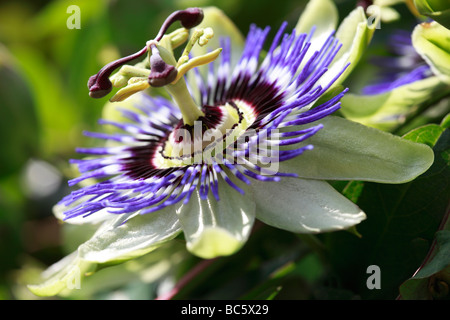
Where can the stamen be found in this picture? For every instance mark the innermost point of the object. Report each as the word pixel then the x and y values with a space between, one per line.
pixel 202 36
pixel 100 85
pixel 195 62
pixel 184 64
pixel 127 72
pixel 134 85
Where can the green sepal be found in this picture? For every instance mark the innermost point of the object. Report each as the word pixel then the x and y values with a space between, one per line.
pixel 387 110
pixel 437 10
pixel 116 240
pixel 432 42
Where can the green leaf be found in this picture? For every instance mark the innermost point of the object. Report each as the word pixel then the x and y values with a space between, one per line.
pixel 18 123
pixel 435 9
pixel 445 123
pixel 56 111
pixel 425 283
pixel 432 42
pixel 346 150
pixel 401 224
pixel 422 285
pixel 287 275
pixel 428 134
pixel 353 190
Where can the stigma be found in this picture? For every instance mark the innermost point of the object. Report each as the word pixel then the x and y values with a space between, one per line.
pixel 160 68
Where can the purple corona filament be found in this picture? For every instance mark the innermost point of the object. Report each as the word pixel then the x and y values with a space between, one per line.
pixel 403 66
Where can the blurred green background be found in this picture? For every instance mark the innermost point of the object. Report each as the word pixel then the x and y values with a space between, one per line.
pixel 45 106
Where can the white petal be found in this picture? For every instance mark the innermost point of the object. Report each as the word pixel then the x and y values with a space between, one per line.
pixel 223 27
pixel 62 275
pixel 346 150
pixel 320 14
pixel 114 241
pixel 304 206
pixel 117 240
pixel 355 35
pixel 217 228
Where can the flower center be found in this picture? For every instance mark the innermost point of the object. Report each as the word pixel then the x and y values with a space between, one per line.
pixel 207 139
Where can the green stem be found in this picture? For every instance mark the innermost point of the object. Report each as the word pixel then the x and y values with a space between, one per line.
pixel 314 243
pixel 194 272
pixel 189 109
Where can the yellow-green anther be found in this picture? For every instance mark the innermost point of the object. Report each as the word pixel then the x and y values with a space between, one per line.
pixel 194 38
pixel 126 72
pixel 208 34
pixel 195 62
pixel 200 36
pixel 133 71
pixel 172 40
pixel 134 85
pixel 134 80
pixel 178 37
pixel 118 80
